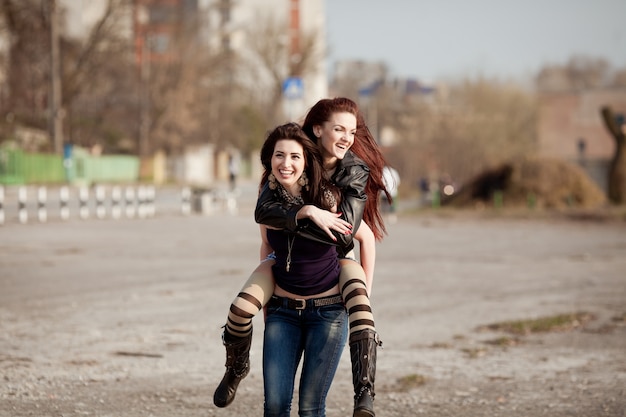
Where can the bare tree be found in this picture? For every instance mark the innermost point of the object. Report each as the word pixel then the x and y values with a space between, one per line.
pixel 271 62
pixel 495 119
pixel 99 83
pixel 27 62
pixel 94 76
pixel 477 124
pixel 201 96
pixel 172 97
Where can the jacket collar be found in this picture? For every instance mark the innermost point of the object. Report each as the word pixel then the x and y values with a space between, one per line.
pixel 349 160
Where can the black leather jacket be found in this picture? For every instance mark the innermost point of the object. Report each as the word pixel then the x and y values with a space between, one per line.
pixel 350 176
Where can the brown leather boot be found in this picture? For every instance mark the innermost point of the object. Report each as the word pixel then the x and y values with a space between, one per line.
pixel 363 346
pixel 237 367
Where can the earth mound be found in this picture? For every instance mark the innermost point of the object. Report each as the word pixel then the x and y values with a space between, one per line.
pixel 532 182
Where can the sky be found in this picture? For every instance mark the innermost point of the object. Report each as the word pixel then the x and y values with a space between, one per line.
pixel 438 40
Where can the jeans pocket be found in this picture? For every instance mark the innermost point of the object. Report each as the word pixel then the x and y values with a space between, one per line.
pixel 332 313
pixel 272 309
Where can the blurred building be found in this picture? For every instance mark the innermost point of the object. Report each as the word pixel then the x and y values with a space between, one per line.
pixel 224 25
pixel 228 30
pixel 231 24
pixel 159 24
pixel 570 127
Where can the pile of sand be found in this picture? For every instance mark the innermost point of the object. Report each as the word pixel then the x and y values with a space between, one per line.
pixel 533 182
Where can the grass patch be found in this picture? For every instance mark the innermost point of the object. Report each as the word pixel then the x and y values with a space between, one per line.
pixel 411 381
pixel 441 345
pixel 619 319
pixel 504 341
pixel 556 323
pixel 474 353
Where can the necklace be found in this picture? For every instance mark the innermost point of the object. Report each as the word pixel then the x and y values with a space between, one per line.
pixel 288 197
pixel 290 240
pixel 290 200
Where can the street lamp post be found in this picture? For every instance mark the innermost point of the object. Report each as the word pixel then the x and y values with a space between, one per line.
pixel 56 111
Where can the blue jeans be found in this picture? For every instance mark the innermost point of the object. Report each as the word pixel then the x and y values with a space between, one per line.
pixel 320 334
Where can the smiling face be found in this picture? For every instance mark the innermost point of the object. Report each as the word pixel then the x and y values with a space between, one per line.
pixel 336 136
pixel 288 164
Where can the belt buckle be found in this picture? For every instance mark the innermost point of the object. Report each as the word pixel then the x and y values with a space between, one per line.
pixel 300 303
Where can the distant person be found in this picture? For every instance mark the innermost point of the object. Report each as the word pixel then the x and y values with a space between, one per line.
pixel 233 171
pixel 391 179
pixel 424 185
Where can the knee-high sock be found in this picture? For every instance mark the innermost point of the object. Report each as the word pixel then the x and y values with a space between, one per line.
pixel 354 293
pixel 255 293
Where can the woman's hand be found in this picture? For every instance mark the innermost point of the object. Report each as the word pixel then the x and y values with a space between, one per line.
pixel 325 220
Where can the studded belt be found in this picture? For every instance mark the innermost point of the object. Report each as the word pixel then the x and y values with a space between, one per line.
pixel 301 303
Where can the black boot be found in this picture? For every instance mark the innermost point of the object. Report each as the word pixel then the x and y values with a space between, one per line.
pixel 237 367
pixel 363 346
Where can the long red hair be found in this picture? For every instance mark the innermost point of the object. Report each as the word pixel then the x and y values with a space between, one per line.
pixel 365 147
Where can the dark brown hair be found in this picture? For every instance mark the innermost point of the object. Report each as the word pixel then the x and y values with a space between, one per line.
pixel 365 147
pixel 312 162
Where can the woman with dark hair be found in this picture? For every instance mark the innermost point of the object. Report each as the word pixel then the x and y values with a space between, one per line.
pixel 338 127
pixel 306 319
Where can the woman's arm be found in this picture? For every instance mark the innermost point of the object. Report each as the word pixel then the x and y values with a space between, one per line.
pixel 315 223
pixel 351 178
pixel 266 249
pixel 326 220
pixel 272 212
pixel 367 253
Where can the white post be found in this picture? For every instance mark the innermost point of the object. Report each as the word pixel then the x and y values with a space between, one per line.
pixel 42 195
pixel 100 196
pixel 130 202
pixel 22 213
pixel 116 198
pixel 83 197
pixel 141 202
pixel 64 197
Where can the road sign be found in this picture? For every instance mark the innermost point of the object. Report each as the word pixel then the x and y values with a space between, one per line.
pixel 293 88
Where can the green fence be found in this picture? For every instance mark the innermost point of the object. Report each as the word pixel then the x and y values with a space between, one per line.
pixel 18 167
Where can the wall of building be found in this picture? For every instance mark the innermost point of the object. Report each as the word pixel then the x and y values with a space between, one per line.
pixel 567 118
pixel 570 127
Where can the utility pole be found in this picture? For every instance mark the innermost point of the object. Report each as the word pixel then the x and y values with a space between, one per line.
pixel 143 54
pixel 56 110
pixel 144 127
pixel 293 87
pixel 294 36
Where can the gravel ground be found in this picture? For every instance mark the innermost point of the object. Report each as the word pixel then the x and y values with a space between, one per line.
pixel 122 318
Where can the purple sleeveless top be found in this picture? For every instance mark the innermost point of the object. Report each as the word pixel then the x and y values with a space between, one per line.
pixel 314 267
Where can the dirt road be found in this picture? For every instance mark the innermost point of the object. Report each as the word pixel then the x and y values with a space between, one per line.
pixel 122 318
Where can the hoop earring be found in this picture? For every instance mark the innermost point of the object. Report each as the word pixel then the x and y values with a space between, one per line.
pixel 271 179
pixel 303 181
